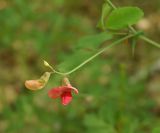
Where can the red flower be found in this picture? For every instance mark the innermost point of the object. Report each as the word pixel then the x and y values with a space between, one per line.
pixel 64 92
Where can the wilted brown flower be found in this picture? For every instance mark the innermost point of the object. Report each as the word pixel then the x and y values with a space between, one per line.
pixel 38 83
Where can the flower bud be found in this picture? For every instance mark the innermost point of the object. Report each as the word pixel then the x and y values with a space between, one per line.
pixel 46 63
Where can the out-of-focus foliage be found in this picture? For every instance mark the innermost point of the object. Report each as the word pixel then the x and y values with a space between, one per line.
pixel 118 93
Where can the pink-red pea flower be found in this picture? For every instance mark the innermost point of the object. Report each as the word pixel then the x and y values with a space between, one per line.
pixel 64 92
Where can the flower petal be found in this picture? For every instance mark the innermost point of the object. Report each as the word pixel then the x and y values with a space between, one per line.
pixel 75 90
pixel 45 77
pixel 34 84
pixel 38 83
pixel 68 85
pixel 66 98
pixel 56 92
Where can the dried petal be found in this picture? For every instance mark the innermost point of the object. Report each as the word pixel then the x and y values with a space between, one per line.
pixel 45 77
pixel 34 84
pixel 38 83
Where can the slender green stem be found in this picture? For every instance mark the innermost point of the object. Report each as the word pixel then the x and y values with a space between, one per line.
pixel 150 41
pixel 54 71
pixel 60 73
pixel 108 47
pixel 132 29
pixel 111 4
pixel 95 55
pixel 119 33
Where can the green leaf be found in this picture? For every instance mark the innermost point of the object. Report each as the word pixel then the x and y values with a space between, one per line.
pixel 106 9
pixel 123 17
pixel 94 41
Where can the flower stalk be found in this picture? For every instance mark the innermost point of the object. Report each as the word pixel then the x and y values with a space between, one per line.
pixel 94 56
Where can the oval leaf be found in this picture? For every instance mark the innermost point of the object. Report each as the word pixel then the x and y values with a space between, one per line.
pixel 123 17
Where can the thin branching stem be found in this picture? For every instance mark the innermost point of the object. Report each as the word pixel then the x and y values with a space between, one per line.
pixel 95 55
pixel 133 33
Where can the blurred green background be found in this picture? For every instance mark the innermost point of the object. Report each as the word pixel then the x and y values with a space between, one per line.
pixel 118 92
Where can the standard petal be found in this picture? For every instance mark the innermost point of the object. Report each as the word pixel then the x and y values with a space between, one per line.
pixel 56 92
pixel 66 98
